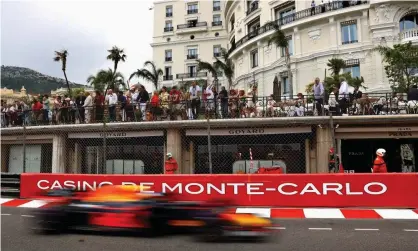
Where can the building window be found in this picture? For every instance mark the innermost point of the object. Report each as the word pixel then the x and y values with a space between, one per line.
pixel 409 22
pixel 192 53
pixel 168 75
pixel 168 56
pixel 191 70
pixel 192 8
pixel 217 51
pixel 192 23
pixel 349 32
pixel 290 43
pixel 217 21
pixel 284 16
pixel 352 67
pixel 216 5
pixel 169 11
pixel 285 84
pixel 168 26
pixel 254 58
pixel 252 6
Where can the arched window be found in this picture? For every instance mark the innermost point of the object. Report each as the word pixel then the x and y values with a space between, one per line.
pixel 409 21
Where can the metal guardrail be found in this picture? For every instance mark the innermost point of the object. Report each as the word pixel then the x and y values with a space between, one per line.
pixel 10 184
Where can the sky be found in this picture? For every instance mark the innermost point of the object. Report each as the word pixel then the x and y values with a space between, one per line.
pixel 32 30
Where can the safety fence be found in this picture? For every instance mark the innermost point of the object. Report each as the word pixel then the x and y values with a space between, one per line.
pixel 235 107
pixel 106 149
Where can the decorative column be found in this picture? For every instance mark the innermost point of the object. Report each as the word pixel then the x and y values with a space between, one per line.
pixel 59 159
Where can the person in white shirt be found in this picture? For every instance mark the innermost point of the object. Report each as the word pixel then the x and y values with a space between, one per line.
pixel 195 92
pixel 210 104
pixel 88 107
pixel 111 100
pixel 343 95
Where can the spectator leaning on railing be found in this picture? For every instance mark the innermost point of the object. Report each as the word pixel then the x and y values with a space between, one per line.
pixel 111 100
pixel 319 93
pixel 343 95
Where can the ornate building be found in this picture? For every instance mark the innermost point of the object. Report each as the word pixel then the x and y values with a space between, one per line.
pixel 349 30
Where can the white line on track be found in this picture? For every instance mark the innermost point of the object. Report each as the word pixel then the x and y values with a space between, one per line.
pixel 5 214
pixel 30 216
pixel 366 229
pixel 318 228
pixel 277 228
pixel 410 230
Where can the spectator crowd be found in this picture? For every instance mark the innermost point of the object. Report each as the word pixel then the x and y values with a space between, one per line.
pixel 174 104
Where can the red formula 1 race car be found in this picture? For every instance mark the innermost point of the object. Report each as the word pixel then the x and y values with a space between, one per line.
pixel 133 209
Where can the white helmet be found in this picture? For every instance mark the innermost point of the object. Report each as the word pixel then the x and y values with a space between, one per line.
pixel 380 152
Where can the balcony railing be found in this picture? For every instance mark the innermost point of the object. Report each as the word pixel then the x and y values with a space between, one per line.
pixel 217 54
pixel 191 75
pixel 253 7
pixel 192 25
pixel 192 56
pixel 371 104
pixel 168 14
pixel 168 29
pixel 167 77
pixel 168 59
pixel 217 23
pixel 216 8
pixel 410 34
pixel 300 15
pixel 350 42
pixel 192 11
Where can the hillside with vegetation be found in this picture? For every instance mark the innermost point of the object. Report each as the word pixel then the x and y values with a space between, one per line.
pixel 13 77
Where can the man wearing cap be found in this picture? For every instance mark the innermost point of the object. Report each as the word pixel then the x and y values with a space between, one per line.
pixel 171 165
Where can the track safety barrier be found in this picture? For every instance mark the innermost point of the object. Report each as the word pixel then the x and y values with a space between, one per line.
pixel 392 190
pixel 10 184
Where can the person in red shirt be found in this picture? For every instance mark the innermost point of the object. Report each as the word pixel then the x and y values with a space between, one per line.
pixel 36 109
pixel 171 165
pixel 155 106
pixel 379 165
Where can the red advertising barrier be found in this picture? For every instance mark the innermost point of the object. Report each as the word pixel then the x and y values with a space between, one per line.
pixel 268 190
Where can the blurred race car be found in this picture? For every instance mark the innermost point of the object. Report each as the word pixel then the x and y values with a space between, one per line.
pixel 132 208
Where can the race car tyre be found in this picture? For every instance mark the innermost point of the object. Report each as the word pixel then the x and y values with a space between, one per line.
pixel 50 222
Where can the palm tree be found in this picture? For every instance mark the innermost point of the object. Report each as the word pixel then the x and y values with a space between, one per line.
pixel 211 68
pixel 225 65
pixel 281 41
pixel 116 55
pixel 107 78
pixel 336 65
pixel 61 56
pixel 151 75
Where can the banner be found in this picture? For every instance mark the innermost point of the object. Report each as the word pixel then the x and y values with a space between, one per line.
pixel 271 190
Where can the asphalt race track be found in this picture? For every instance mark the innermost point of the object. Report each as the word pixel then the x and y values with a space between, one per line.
pixel 304 234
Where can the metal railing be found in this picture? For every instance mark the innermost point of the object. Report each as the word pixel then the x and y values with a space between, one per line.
pixel 233 107
pixel 217 23
pixel 191 75
pixel 10 184
pixel 168 77
pixel 168 29
pixel 306 13
pixel 192 25
pixel 192 56
pixel 192 11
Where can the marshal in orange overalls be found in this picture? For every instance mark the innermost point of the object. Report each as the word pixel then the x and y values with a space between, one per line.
pixel 379 165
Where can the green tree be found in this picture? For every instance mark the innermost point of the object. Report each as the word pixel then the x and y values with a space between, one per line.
pixel 151 75
pixel 211 68
pixel 225 65
pixel 281 41
pixel 61 56
pixel 401 61
pixel 107 78
pixel 116 55
pixel 336 65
